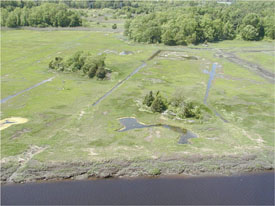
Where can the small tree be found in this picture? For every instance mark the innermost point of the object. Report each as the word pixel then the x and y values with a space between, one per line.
pixel 57 64
pixel 158 105
pixel 92 71
pixel 101 73
pixel 114 26
pixel 148 99
pixel 250 33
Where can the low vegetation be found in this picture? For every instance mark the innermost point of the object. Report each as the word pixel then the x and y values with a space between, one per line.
pixel 178 105
pixel 85 63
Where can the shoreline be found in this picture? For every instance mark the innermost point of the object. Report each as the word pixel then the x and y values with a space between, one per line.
pixel 116 169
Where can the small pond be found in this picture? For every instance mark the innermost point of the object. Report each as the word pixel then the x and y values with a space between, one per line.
pixel 130 123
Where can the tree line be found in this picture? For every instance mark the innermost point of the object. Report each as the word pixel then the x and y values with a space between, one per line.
pixel 47 14
pixel 198 24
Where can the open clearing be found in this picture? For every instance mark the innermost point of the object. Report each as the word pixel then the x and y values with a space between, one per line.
pixel 80 140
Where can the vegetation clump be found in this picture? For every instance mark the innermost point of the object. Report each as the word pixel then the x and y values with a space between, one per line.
pixel 157 103
pixel 114 26
pixel 148 99
pixel 177 105
pixel 86 63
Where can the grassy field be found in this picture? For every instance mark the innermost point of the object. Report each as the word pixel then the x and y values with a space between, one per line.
pixel 64 123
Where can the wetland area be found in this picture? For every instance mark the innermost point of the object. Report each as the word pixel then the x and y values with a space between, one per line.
pixel 85 110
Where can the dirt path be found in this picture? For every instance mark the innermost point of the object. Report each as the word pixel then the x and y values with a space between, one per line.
pixel 25 90
pixel 269 76
pixel 118 84
pixel 24 159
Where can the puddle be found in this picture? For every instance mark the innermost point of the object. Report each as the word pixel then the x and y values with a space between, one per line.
pixel 5 123
pixel 125 53
pixel 130 123
pixel 211 77
pixel 176 55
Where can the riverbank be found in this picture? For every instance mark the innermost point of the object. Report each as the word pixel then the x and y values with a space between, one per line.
pixel 190 166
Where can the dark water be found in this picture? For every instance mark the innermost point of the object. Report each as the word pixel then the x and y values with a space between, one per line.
pixel 130 123
pixel 254 189
pixel 36 85
pixel 8 122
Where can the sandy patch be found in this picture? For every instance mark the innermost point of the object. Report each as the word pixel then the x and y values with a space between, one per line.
pixel 5 123
pixel 91 151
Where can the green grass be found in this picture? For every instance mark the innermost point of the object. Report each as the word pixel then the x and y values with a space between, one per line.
pixel 73 130
pixel 265 59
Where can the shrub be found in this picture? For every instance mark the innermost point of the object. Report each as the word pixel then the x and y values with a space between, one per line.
pixel 80 61
pixel 189 110
pixel 101 73
pixel 114 26
pixel 148 99
pixel 57 64
pixel 158 104
pixel 250 33
pixel 92 72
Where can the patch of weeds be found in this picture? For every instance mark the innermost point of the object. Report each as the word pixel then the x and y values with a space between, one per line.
pixel 155 171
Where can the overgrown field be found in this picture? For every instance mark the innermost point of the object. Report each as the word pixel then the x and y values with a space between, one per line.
pixel 68 137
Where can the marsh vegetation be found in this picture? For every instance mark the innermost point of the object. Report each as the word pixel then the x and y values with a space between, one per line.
pixel 73 119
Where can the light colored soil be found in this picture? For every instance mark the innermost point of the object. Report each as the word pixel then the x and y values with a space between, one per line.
pixel 14 120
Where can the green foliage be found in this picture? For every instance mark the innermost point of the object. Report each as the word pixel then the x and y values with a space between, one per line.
pixel 269 26
pixel 101 73
pixel 57 64
pixel 250 33
pixel 155 171
pixel 159 104
pixel 195 24
pixel 48 14
pixel 148 99
pixel 114 26
pixel 191 111
pixel 90 65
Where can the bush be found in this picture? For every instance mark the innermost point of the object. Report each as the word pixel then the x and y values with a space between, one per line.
pixel 250 33
pixel 57 64
pixel 92 72
pixel 148 99
pixel 101 73
pixel 189 110
pixel 80 61
pixel 114 26
pixel 158 104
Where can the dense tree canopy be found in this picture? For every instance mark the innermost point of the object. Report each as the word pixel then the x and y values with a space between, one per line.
pixel 48 14
pixel 210 22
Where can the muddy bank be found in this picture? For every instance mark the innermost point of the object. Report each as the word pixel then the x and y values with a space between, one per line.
pixel 192 165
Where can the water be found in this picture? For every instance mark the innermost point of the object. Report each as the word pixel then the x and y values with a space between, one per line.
pixel 36 85
pixel 251 189
pixel 130 123
pixel 118 84
pixel 211 77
